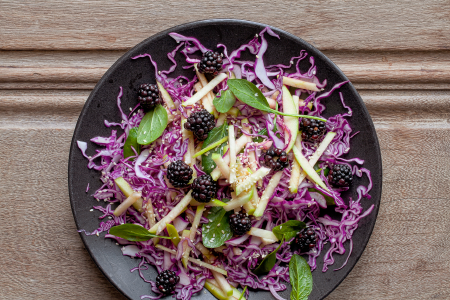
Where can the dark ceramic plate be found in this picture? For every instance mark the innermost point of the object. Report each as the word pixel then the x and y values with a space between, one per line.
pixel 101 105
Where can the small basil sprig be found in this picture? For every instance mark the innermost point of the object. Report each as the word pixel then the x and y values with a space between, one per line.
pixel 133 233
pixel 152 125
pixel 213 136
pixel 217 230
pixel 268 262
pixel 288 230
pixel 300 278
pixel 225 101
pixel 131 142
pixel 248 93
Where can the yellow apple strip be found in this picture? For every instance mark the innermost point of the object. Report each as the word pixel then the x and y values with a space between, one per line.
pixel 240 144
pixel 165 96
pixel 223 283
pixel 300 84
pixel 175 212
pixel 262 233
pixel 195 261
pixel 232 153
pixel 290 106
pixel 318 153
pixel 239 201
pixel 267 194
pixel 206 89
pixel 126 189
pixel 127 203
pixel 308 168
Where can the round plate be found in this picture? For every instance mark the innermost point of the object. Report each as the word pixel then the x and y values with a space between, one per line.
pixel 128 73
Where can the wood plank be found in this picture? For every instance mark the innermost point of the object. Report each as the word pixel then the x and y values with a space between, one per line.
pixel 328 25
pixel 82 69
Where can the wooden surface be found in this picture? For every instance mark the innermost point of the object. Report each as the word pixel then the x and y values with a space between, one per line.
pixel 52 53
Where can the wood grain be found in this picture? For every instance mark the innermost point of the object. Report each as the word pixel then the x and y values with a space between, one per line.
pixel 343 25
pixel 397 54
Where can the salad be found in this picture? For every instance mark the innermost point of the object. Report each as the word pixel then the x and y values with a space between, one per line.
pixel 219 180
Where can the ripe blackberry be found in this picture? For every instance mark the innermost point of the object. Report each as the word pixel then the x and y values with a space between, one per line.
pixel 312 130
pixel 179 173
pixel 149 96
pixel 166 281
pixel 204 188
pixel 240 223
pixel 200 123
pixel 340 175
pixel 304 241
pixel 276 159
pixel 211 62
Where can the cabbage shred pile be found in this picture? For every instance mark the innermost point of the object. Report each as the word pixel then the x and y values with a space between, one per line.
pixel 146 173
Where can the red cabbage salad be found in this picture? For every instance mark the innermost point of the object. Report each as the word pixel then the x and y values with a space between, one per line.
pixel 219 179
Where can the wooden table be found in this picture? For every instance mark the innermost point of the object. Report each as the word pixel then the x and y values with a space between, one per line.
pixel 53 53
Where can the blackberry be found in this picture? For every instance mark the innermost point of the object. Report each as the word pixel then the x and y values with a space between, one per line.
pixel 340 175
pixel 305 240
pixel 166 281
pixel 179 173
pixel 149 96
pixel 200 123
pixel 211 62
pixel 312 130
pixel 204 188
pixel 276 159
pixel 240 223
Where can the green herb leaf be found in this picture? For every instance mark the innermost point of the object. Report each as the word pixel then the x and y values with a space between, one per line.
pixel 133 233
pixel 288 230
pixel 248 93
pixel 214 135
pixel 225 102
pixel 330 200
pixel 268 262
pixel 131 142
pixel 152 125
pixel 219 229
pixel 300 278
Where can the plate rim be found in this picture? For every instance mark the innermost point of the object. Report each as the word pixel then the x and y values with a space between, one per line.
pixel 218 22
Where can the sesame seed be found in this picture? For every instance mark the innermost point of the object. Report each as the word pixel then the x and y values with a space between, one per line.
pixel 91 209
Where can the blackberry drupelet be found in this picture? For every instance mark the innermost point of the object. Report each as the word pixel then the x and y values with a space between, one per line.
pixel 204 188
pixel 166 281
pixel 304 241
pixel 179 173
pixel 240 223
pixel 149 96
pixel 200 123
pixel 211 62
pixel 312 130
pixel 340 175
pixel 276 159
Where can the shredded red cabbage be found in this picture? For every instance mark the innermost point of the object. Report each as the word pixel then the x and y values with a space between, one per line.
pixel 146 173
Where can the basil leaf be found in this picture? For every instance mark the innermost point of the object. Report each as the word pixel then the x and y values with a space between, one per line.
pixel 131 142
pixel 330 200
pixel 133 233
pixel 225 102
pixel 213 136
pixel 217 231
pixel 268 262
pixel 248 93
pixel 152 125
pixel 288 230
pixel 300 278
